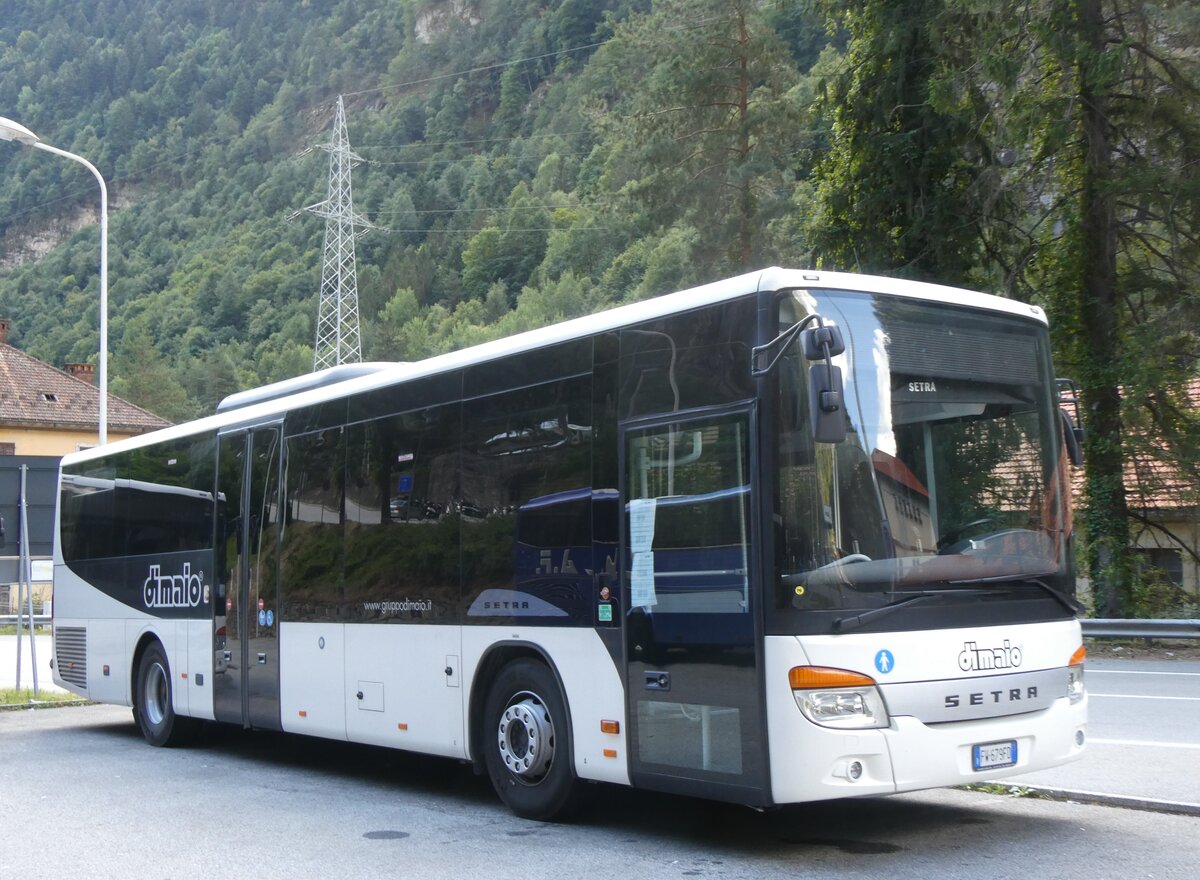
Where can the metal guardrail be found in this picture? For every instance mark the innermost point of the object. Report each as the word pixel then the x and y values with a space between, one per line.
pixel 11 619
pixel 1102 628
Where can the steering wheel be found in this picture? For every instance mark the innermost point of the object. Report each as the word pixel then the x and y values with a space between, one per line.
pixel 845 560
pixel 951 537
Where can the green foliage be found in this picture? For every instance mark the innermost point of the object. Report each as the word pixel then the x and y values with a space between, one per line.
pixel 508 196
pixel 1154 597
pixel 1046 147
pixel 528 161
pixel 907 184
pixel 708 127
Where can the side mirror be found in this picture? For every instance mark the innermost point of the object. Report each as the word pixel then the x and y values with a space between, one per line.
pixel 825 398
pixel 826 406
pixel 1068 398
pixel 821 343
pixel 1073 438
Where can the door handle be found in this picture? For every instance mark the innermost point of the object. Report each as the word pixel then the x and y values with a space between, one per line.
pixel 262 659
pixel 658 681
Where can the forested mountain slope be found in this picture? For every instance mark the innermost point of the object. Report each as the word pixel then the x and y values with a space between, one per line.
pixel 531 160
pixel 502 165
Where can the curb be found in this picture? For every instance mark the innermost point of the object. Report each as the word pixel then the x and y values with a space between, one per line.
pixel 47 704
pixel 1127 802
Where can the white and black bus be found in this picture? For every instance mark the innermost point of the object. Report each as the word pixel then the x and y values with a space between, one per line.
pixel 787 537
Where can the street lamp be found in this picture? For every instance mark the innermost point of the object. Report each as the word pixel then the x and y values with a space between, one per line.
pixel 14 131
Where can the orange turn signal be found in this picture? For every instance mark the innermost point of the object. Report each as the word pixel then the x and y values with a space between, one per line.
pixel 809 677
pixel 1079 656
pixel 610 726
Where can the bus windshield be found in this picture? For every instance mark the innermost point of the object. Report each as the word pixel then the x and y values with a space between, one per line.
pixel 951 483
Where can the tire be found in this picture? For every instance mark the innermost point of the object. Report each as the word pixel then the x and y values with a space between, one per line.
pixel 153 706
pixel 527 743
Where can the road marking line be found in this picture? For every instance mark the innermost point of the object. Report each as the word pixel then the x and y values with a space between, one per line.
pixel 1141 742
pixel 1092 670
pixel 1145 697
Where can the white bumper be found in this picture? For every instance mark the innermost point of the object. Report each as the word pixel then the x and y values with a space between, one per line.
pixel 809 762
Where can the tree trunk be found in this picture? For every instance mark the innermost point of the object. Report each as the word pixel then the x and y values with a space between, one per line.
pixel 746 210
pixel 1100 349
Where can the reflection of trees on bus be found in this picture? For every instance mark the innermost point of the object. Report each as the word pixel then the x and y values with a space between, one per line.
pixel 527 459
pixel 689 536
pixel 154 500
pixel 407 506
pixel 557 543
pixel 951 468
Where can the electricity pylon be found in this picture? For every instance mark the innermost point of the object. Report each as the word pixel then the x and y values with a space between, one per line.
pixel 338 340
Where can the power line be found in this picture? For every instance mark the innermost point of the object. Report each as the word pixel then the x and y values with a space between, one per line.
pixel 267 127
pixel 529 230
pixel 494 140
pixel 473 70
pixel 501 210
pixel 432 161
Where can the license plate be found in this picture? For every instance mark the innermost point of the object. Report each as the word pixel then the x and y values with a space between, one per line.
pixel 989 756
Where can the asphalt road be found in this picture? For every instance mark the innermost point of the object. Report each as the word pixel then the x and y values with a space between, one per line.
pixel 83 796
pixel 1143 734
pixel 1143 727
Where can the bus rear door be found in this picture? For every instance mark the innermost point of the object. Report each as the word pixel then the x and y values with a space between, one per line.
pixel 246 646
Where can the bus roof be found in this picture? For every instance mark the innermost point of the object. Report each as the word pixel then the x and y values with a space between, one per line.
pixel 275 405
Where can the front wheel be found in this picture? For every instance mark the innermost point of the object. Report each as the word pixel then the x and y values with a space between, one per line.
pixel 526 743
pixel 153 707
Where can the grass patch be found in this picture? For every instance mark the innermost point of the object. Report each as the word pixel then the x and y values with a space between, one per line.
pixel 11 630
pixel 24 697
pixel 1015 791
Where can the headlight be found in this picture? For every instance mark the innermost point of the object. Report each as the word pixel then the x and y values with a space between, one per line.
pixel 1075 688
pixel 838 698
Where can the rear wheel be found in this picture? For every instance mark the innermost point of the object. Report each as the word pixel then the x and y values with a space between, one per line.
pixel 153 704
pixel 526 743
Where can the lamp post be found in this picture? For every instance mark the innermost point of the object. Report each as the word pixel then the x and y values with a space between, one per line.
pixel 14 131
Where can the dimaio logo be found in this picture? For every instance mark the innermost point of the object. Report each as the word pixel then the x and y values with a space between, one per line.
pixel 973 658
pixel 173 590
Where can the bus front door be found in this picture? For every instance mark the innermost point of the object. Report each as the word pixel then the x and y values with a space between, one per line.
pixel 245 643
pixel 688 561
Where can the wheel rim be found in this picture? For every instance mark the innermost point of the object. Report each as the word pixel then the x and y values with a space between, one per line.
pixel 526 737
pixel 156 694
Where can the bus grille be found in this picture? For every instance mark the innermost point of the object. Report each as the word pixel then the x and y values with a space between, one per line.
pixel 70 655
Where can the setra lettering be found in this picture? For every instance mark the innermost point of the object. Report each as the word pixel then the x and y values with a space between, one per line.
pixel 979 698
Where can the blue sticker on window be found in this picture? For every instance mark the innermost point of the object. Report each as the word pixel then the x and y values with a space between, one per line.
pixel 884 661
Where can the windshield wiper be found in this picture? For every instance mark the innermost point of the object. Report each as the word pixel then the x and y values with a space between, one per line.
pixel 1058 595
pixel 857 621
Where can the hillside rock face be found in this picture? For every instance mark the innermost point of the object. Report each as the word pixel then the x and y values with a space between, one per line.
pixel 434 22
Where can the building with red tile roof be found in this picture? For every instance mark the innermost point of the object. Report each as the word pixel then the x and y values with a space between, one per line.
pixel 47 411
pixel 1166 504
pixel 44 414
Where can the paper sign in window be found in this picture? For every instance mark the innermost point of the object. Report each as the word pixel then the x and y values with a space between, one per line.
pixel 641 544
